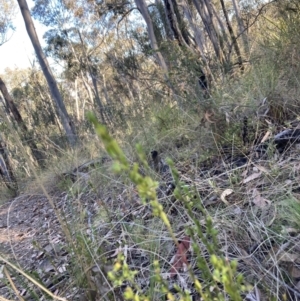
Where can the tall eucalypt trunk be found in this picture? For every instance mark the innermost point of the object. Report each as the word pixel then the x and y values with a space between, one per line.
pixel 241 25
pixel 172 9
pixel 141 5
pixel 6 170
pixel 62 112
pixel 232 36
pixel 210 29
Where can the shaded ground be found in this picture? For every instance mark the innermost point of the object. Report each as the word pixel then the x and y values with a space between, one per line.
pixel 29 230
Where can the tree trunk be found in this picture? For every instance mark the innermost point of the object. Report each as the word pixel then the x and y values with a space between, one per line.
pixel 181 23
pixel 241 26
pixel 164 19
pixel 171 15
pixel 63 114
pixel 6 170
pixel 87 87
pixel 92 70
pixel 76 99
pixel 109 103
pixel 97 95
pixel 208 7
pixel 208 24
pixel 233 38
pixel 222 27
pixel 197 33
pixel 26 137
pixel 51 109
pixel 141 5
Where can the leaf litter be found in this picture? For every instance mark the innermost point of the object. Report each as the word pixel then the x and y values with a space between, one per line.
pixel 117 222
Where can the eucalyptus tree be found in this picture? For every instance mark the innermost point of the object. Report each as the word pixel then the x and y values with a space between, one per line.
pixel 6 170
pixel 26 136
pixel 232 35
pixel 142 7
pixel 31 94
pixel 176 22
pixel 62 112
pixel 7 13
pixel 241 25
pixel 206 15
pixel 94 41
pixel 89 37
pixel 77 39
pixel 194 26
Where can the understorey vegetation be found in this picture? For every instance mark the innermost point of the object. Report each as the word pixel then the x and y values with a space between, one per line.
pixel 151 152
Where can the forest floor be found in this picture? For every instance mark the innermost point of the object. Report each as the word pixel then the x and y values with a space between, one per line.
pixel 253 201
pixel 29 232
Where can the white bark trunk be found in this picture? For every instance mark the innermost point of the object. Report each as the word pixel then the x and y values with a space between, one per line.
pixel 63 114
pixel 208 24
pixel 76 99
pixel 141 5
pixel 197 33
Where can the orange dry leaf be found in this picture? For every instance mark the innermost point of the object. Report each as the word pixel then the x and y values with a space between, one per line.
pixel 179 260
pixel 207 116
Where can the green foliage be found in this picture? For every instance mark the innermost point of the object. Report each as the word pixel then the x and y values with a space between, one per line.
pixel 145 185
pixel 121 272
pixel 222 272
pixel 289 212
pixel 7 14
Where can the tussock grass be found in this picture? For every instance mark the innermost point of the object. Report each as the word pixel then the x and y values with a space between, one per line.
pixel 62 161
